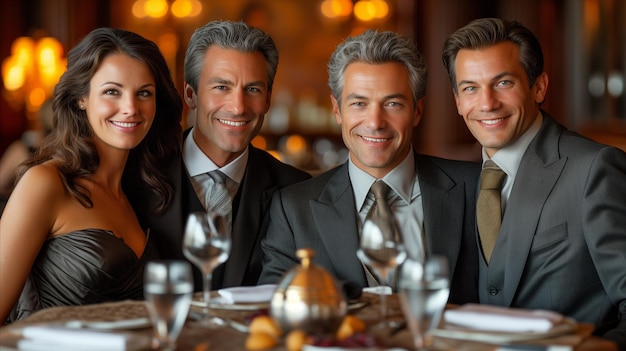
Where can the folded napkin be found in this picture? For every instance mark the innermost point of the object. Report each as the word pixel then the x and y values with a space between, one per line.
pixel 239 294
pixel 378 290
pixel 502 319
pixel 51 338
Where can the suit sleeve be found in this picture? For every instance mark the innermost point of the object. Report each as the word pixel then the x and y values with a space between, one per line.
pixel 604 211
pixel 279 245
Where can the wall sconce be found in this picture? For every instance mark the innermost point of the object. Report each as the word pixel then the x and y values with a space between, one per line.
pixel 159 8
pixel 31 73
pixel 363 10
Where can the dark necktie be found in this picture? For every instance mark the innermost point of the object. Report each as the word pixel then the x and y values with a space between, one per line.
pixel 218 197
pixel 380 212
pixel 488 207
pixel 381 215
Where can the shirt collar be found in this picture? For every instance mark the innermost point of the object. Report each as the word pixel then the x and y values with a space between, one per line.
pixel 198 163
pixel 401 179
pixel 509 158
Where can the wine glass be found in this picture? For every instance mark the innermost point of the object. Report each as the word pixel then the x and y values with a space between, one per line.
pixel 424 291
pixel 207 244
pixel 168 287
pixel 382 252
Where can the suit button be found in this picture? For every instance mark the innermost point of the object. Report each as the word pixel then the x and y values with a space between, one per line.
pixel 493 291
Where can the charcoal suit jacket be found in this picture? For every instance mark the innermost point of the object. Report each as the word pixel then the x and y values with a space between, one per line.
pixel 263 176
pixel 320 214
pixel 562 243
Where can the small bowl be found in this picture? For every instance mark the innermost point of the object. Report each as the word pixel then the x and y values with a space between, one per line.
pixel 308 298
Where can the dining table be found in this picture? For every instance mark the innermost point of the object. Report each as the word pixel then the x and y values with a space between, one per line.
pixel 233 335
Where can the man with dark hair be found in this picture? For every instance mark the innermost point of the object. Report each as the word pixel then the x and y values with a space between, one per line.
pixel 561 241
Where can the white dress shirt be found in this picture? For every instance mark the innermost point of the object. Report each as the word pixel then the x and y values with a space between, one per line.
pixel 406 202
pixel 509 158
pixel 198 165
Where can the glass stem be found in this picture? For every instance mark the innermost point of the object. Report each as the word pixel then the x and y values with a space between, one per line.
pixel 384 279
pixel 207 292
pixel 383 308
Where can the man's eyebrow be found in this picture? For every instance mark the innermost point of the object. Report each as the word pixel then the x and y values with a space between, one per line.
pixel 495 78
pixel 221 81
pixel 358 96
pixel 396 96
pixel 257 83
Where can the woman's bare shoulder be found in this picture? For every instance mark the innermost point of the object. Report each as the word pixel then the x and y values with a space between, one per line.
pixel 40 191
pixel 43 179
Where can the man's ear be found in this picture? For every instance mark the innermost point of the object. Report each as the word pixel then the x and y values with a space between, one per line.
pixel 541 87
pixel 336 109
pixel 419 111
pixel 189 96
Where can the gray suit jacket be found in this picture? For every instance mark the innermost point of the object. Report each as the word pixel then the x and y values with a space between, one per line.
pixel 264 175
pixel 562 244
pixel 320 214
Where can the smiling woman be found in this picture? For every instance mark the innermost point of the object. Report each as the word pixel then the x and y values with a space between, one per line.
pixel 121 103
pixel 69 235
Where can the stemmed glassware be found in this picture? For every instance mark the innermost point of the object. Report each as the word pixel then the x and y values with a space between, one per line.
pixel 206 244
pixel 382 252
pixel 424 291
pixel 168 288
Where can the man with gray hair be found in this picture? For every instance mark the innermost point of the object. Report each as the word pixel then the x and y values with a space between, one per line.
pixel 378 83
pixel 229 74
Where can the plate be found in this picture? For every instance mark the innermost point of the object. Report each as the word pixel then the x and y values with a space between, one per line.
pixel 454 332
pixel 135 323
pixel 219 303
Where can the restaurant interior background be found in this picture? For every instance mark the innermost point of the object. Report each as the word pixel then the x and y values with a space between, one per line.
pixel 583 42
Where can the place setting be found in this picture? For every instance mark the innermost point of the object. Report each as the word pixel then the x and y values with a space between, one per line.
pixel 113 325
pixel 242 298
pixel 502 325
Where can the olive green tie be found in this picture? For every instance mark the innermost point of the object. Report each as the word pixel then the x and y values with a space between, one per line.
pixel 488 207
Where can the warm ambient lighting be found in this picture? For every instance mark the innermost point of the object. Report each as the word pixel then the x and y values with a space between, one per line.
pixel 367 10
pixel 32 71
pixel 364 10
pixel 336 8
pixel 159 8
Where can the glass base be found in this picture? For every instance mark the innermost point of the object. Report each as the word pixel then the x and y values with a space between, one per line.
pixel 205 320
pixel 386 325
pixel 162 345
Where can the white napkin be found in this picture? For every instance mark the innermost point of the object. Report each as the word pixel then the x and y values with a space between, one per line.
pixel 502 319
pixel 51 338
pixel 378 290
pixel 239 294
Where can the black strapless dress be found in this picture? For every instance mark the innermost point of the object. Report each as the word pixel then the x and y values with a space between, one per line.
pixel 83 267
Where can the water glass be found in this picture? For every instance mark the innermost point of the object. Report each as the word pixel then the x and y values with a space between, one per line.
pixel 207 243
pixel 168 288
pixel 424 290
pixel 382 252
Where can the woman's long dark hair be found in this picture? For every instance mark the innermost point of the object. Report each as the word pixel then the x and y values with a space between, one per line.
pixel 70 143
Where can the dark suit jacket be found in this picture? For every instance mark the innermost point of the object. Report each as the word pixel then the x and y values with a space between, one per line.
pixel 562 244
pixel 320 214
pixel 264 175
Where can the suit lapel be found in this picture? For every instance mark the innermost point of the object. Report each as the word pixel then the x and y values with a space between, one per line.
pixel 171 223
pixel 443 203
pixel 539 170
pixel 253 199
pixel 334 216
